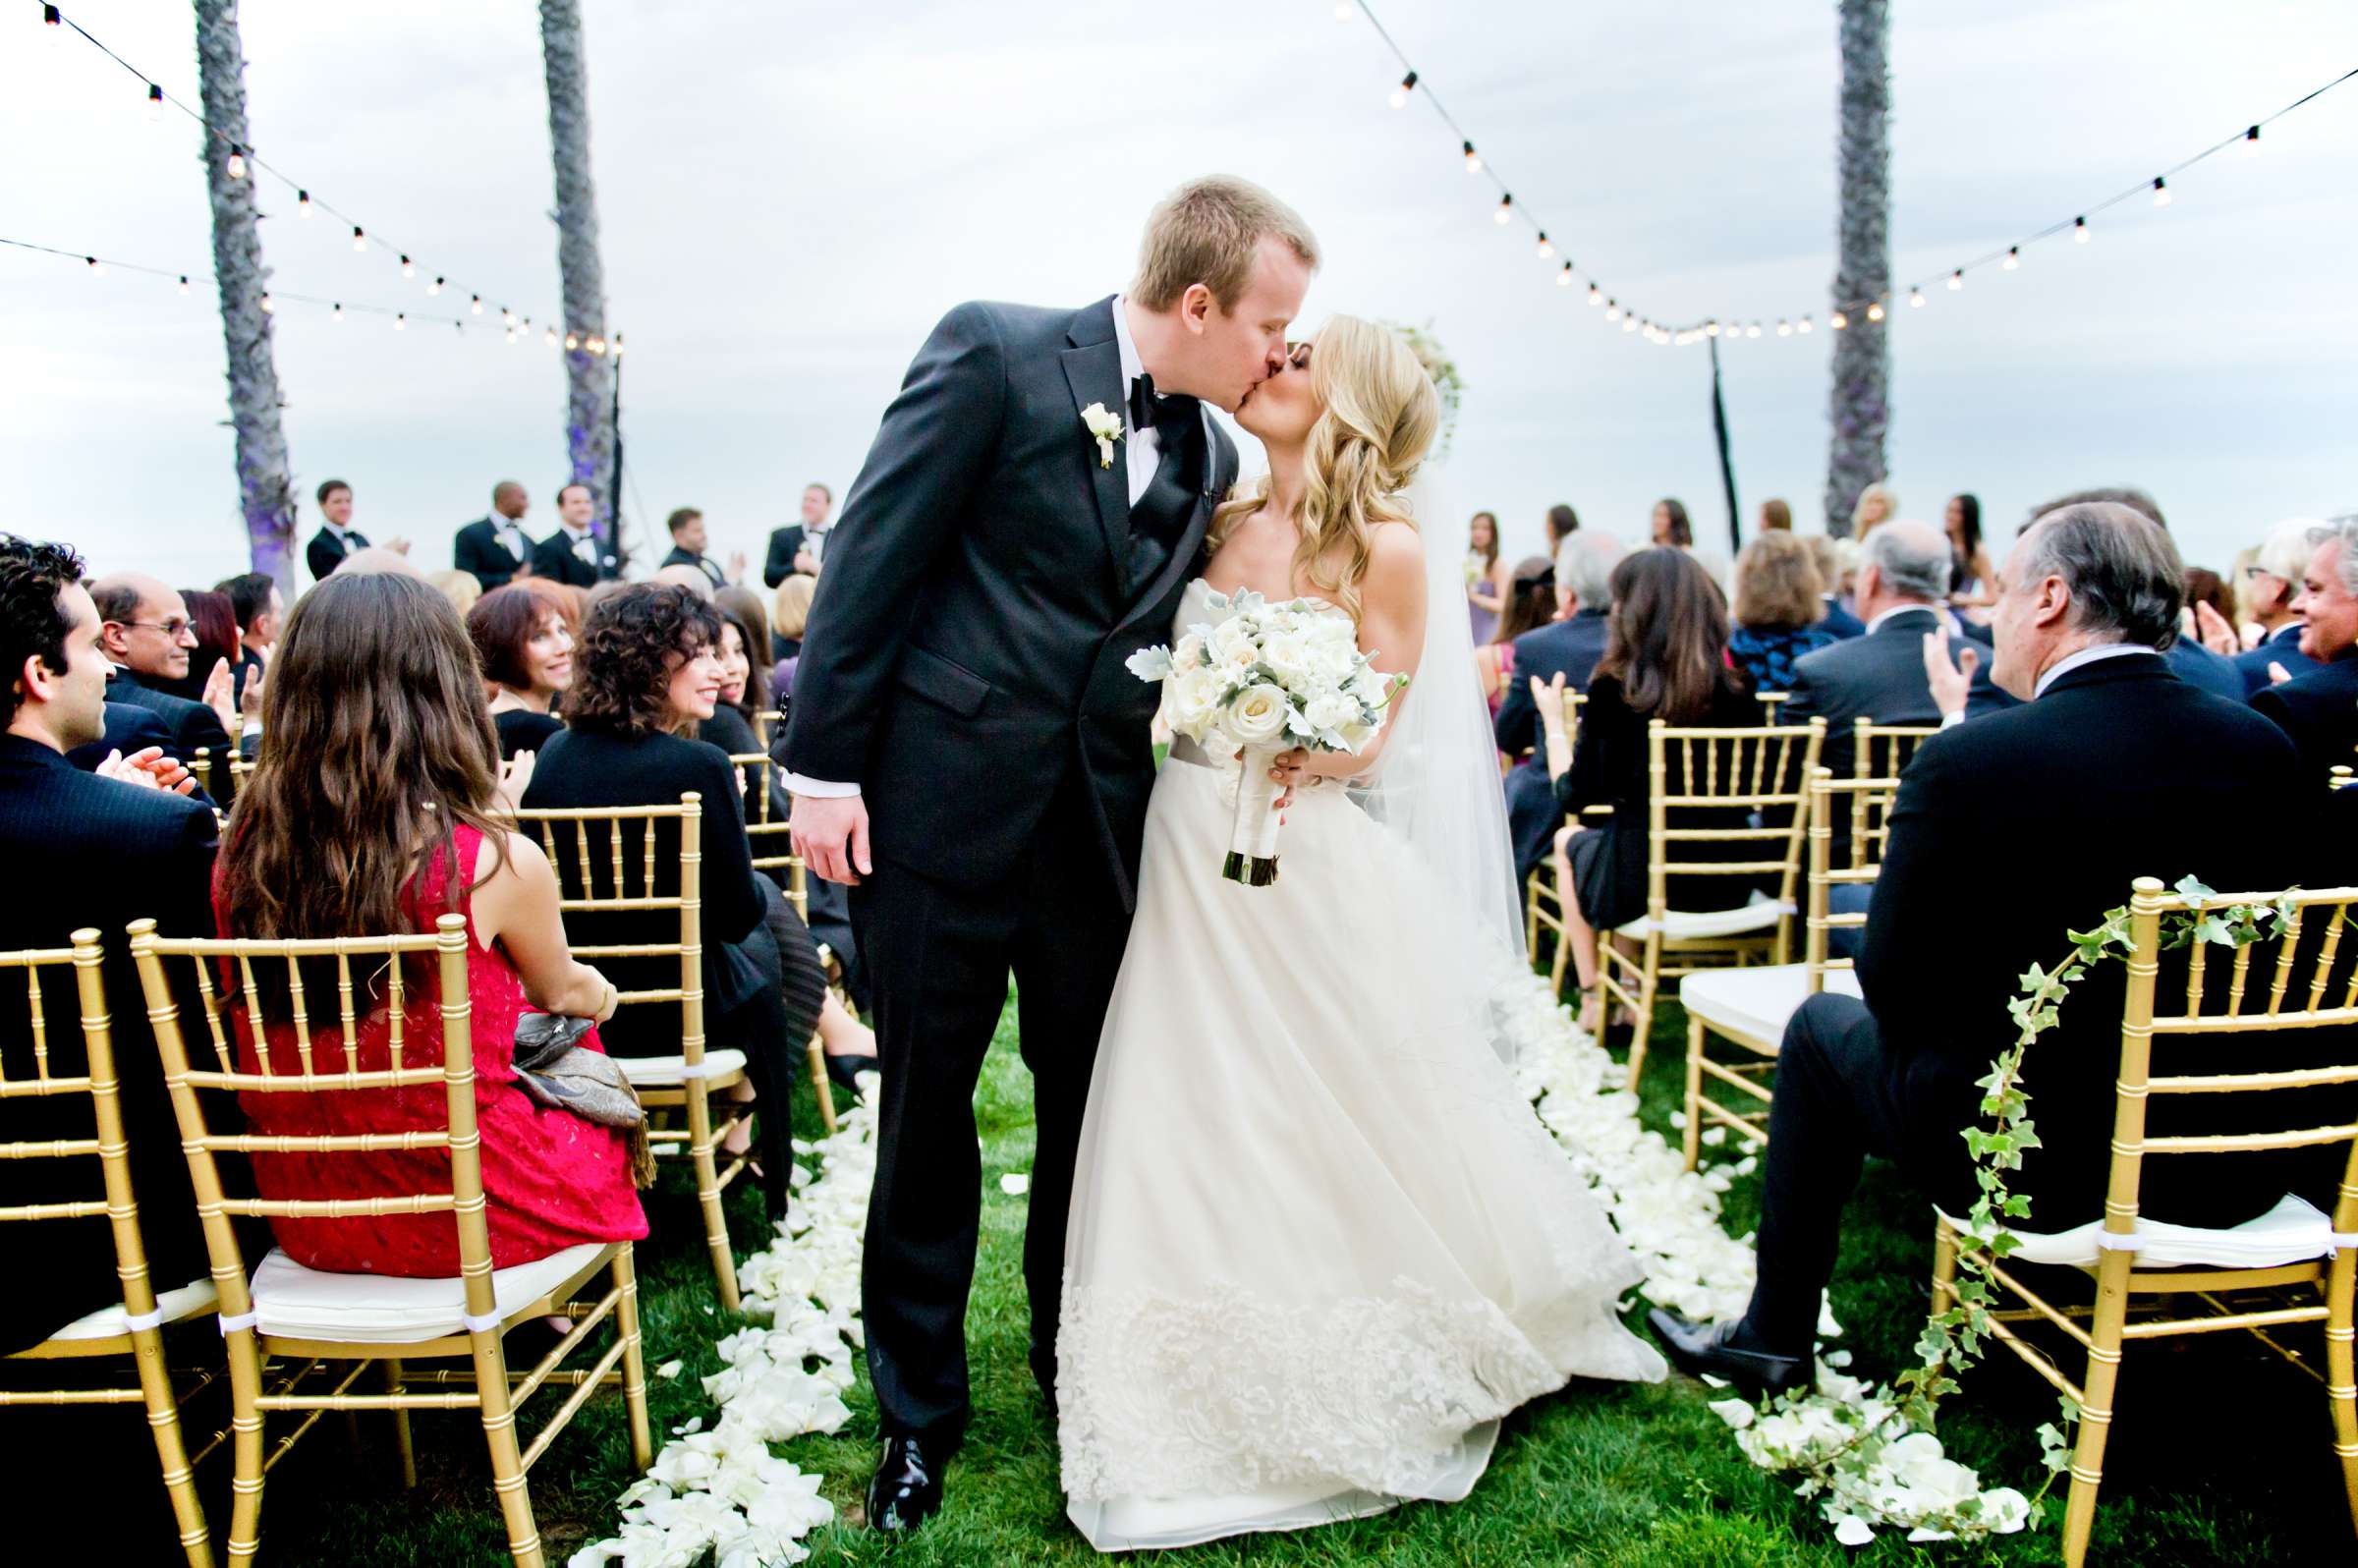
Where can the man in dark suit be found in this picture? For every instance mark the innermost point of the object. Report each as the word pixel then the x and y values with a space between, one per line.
pixel 84 851
pixel 1569 646
pixel 574 555
pixel 256 602
pixel 2270 586
pixel 690 540
pixel 337 538
pixel 998 750
pixel 144 631
pixel 494 548
pixel 2320 709
pixel 798 546
pixel 2009 832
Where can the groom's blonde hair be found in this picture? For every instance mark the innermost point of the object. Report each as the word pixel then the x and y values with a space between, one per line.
pixel 1209 231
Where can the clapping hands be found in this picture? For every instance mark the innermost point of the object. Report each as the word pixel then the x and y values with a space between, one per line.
pixel 148 768
pixel 1950 682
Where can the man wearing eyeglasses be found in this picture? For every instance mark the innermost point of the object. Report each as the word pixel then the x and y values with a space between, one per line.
pixel 144 631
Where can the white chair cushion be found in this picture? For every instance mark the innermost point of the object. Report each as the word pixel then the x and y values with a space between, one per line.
pixel 299 1303
pixel 1761 914
pixel 2292 1232
pixel 196 1295
pixel 1755 1003
pixel 669 1072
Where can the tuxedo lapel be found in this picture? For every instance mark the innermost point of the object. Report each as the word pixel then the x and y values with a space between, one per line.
pixel 1093 368
pixel 1218 474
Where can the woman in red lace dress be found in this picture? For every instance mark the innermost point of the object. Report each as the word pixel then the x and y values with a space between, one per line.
pixel 371 810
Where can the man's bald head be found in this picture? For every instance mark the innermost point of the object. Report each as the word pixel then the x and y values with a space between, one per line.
pixel 508 499
pixel 376 560
pixel 143 625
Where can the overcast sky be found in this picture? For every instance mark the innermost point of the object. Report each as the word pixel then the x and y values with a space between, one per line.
pixel 792 192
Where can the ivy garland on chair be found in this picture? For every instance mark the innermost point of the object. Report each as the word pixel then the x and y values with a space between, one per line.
pixel 1868 1449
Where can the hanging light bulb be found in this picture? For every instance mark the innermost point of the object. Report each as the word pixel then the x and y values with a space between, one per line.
pixel 615 347
pixel 337 315
pixel 1506 208
pixel 155 102
pixel 1753 331
pixel 1408 85
pixel 510 336
pixel 1612 309
pixel 2251 143
pixel 572 342
pixel 359 240
pixel 434 287
pixel 1875 310
pixel 409 268
pixel 1784 328
pixel 2013 257
pixel 1473 159
pixel 597 345
pixel 1915 297
pixel 237 162
pixel 267 306
pixel 1956 280
pixel 184 283
pixel 401 322
pixel 507 318
pixel 1837 321
pixel 1546 246
pixel 302 202
pixel 1629 323
pixel 1596 295
pixel 552 337
pixel 2079 230
pixel 1802 326
pixel 1563 279
pixel 97 267
pixel 2160 191
pixel 1711 329
pixel 54 23
pixel 475 304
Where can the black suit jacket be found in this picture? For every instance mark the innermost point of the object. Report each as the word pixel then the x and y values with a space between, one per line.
pixel 325 551
pixel 966 649
pixel 554 558
pixel 2017 828
pixel 84 851
pixel 130 728
pixel 478 550
pixel 681 556
pixel 1568 648
pixel 1840 621
pixel 1877 677
pixel 784 546
pixel 192 724
pixel 2280 646
pixel 2320 712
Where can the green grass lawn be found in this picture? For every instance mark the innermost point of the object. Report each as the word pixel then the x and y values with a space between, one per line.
pixel 2220 1455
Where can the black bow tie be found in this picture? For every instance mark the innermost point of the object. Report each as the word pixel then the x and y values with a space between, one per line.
pixel 1150 408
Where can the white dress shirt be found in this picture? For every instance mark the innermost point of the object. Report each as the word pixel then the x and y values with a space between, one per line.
pixel 2088 655
pixel 1141 453
pixel 585 545
pixel 1877 624
pixel 511 535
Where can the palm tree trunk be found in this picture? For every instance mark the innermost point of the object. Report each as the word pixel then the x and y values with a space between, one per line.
pixel 1860 406
pixel 589 375
pixel 265 489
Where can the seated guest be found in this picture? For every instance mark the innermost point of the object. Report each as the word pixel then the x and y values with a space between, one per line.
pixel 850 1047
pixel 2009 834
pixel 374 809
pixel 575 555
pixel 1569 647
pixel 789 613
pixel 1834 572
pixel 1876 505
pixel 494 548
pixel 2211 671
pixel 2270 586
pixel 1531 603
pixel 2207 596
pixel 253 598
pixel 215 624
pixel 523 636
pixel 646 675
pixel 735 598
pixel 460 588
pixel 798 546
pixel 1665 657
pixel 373 562
pixel 689 542
pixel 1670 526
pixel 83 850
pixel 1776 516
pixel 1780 602
pixel 2320 709
pixel 144 631
pixel 687 577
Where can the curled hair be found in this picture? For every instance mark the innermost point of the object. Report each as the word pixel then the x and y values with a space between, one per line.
pixel 507 618
pixel 33 623
pixel 1666 638
pixel 1378 415
pixel 630 646
pixel 1777 587
pixel 376 746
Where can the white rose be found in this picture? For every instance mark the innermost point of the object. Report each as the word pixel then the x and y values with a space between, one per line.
pixel 1288 653
pixel 1257 716
pixel 1190 697
pixel 1332 711
pixel 2004 1510
pixel 1233 645
pixel 1940 1484
pixel 1189 652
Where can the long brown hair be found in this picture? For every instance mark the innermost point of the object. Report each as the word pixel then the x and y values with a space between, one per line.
pixel 1666 638
pixel 376 747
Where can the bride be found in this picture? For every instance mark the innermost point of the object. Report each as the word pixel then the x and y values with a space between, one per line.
pixel 1319 1243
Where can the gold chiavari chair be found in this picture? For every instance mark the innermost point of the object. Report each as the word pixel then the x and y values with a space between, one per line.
pixel 1542 900
pixel 590 847
pixel 1772 704
pixel 2160 1281
pixel 201 768
pixel 1879 752
pixel 132 1330
pixel 773 854
pixel 1750 1007
pixel 2338 776
pixel 292 1323
pixel 1754 785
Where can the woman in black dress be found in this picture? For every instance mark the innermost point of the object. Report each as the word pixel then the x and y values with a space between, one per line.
pixel 1665 657
pixel 524 636
pixel 648 676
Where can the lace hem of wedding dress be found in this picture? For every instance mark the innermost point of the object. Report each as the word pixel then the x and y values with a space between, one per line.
pixel 1229 1392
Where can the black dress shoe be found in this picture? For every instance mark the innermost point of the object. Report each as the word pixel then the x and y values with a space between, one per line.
pixel 907 1488
pixel 1699 1348
pixel 846 1071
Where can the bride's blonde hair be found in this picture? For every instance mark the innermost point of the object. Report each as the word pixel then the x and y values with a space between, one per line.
pixel 1378 415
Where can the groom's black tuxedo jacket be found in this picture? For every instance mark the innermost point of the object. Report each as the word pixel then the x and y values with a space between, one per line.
pixel 966 649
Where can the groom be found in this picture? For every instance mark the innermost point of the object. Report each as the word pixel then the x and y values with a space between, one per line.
pixel 968 751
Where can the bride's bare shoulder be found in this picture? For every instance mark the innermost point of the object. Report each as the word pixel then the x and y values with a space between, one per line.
pixel 1395 557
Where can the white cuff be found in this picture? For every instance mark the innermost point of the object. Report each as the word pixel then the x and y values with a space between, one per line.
pixel 820 789
pixel 1949 722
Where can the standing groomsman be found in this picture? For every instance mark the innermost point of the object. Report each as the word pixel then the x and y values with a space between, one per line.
pixel 337 538
pixel 798 546
pixel 573 556
pixel 495 549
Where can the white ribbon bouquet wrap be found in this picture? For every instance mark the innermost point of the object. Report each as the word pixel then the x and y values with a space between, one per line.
pixel 1263 680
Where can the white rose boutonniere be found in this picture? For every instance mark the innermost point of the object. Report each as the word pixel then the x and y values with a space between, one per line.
pixel 1106 428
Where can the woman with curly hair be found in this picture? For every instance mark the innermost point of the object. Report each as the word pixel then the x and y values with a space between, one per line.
pixel 647 674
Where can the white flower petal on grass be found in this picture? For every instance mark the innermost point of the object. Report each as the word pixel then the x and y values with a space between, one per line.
pixel 1015 1184
pixel 1715 1137
pixel 671 1368
pixel 1852 1530
pixel 1738 1412
pixel 1711 1382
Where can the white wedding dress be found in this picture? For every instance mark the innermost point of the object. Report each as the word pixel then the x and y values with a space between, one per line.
pixel 1318 1244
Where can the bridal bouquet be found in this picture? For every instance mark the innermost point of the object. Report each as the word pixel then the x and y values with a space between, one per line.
pixel 1268 679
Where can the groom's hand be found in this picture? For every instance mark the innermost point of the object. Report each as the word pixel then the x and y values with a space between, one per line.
pixel 830 834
